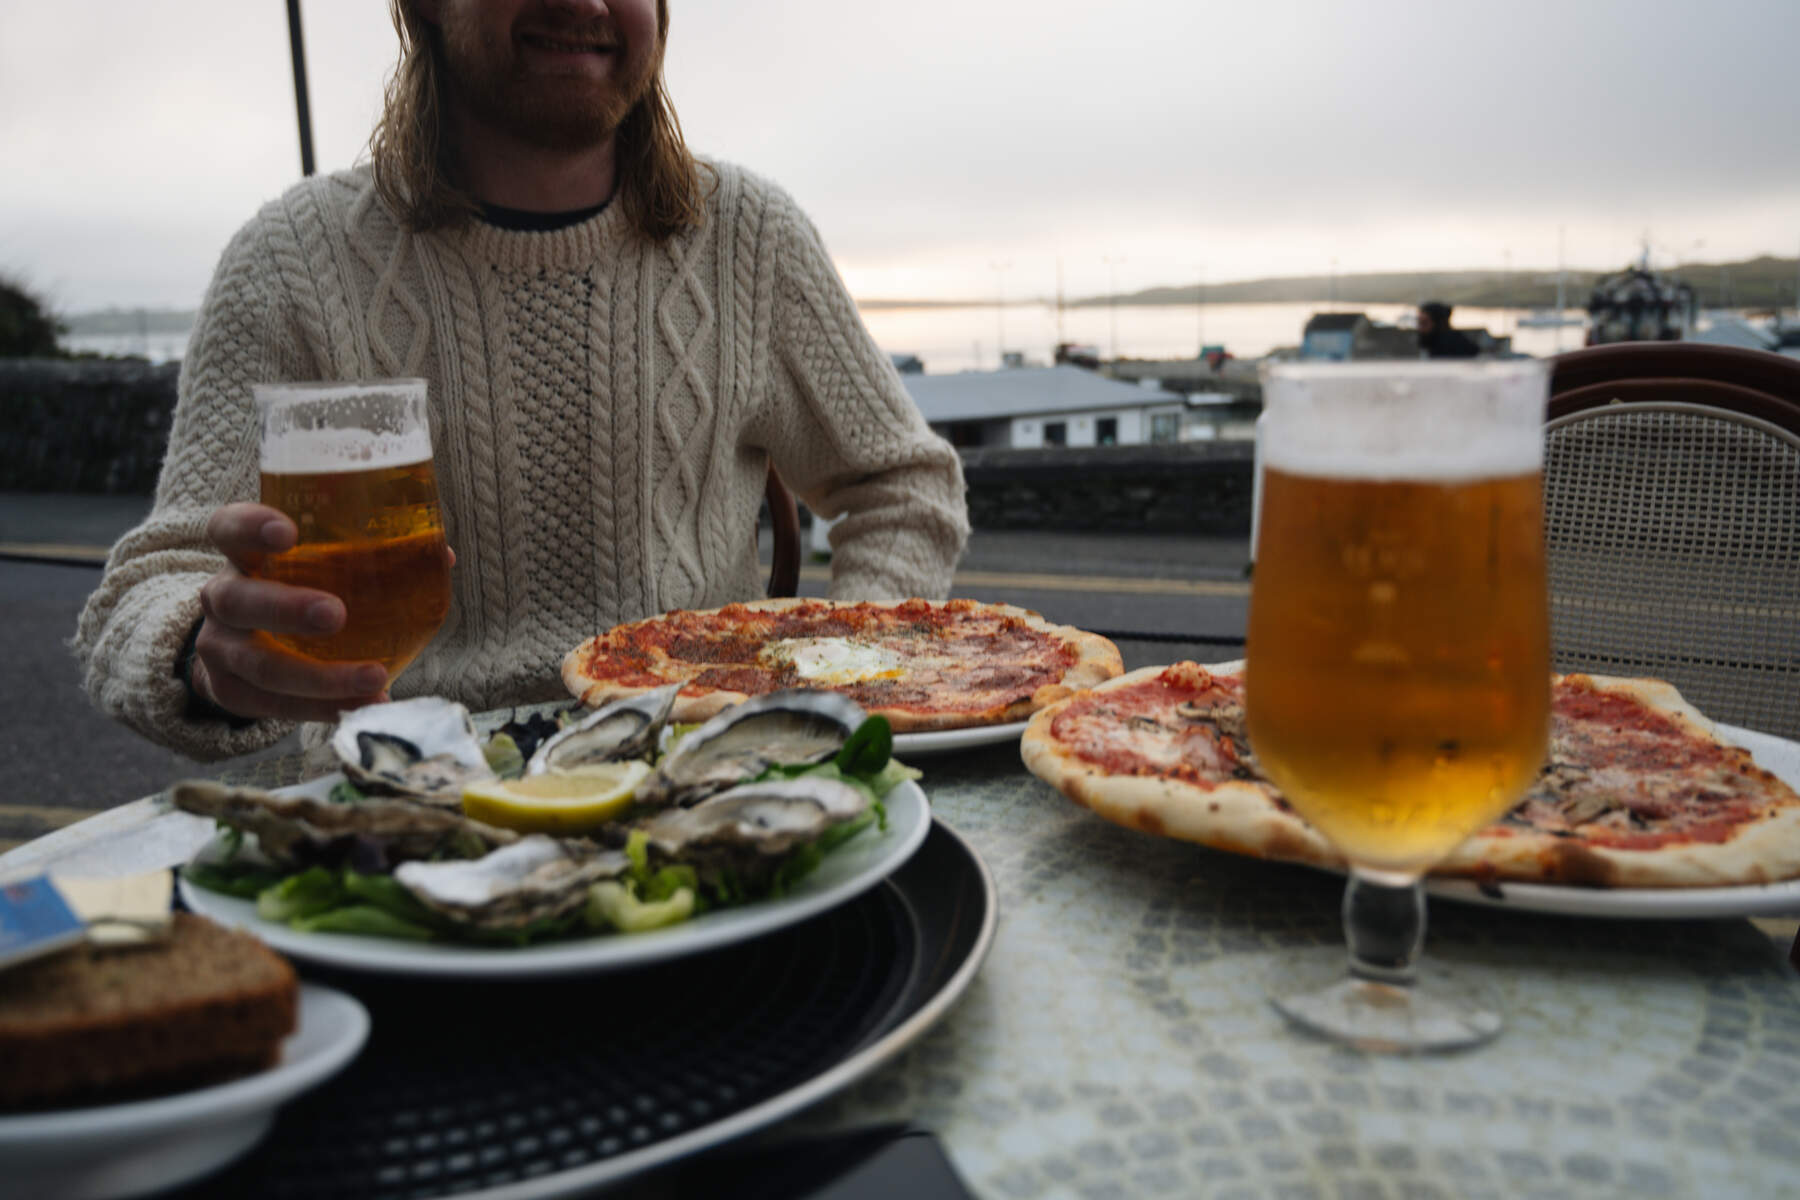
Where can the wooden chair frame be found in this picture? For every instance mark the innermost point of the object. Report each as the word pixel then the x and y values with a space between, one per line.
pixel 1751 382
pixel 784 515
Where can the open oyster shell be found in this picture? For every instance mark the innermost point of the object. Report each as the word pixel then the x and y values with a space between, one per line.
pixel 623 729
pixel 742 742
pixel 425 748
pixel 536 878
pixel 301 831
pixel 749 828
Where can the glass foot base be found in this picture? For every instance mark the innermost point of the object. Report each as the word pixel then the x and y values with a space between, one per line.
pixel 1439 1012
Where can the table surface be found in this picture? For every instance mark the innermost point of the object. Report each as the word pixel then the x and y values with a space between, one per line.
pixel 1119 1042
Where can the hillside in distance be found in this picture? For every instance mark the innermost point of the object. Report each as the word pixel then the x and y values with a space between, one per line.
pixel 1764 282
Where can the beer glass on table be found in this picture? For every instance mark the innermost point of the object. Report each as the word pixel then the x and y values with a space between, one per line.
pixel 350 463
pixel 1397 683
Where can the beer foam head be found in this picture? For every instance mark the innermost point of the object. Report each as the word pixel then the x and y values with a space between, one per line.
pixel 319 451
pixel 1424 421
pixel 310 428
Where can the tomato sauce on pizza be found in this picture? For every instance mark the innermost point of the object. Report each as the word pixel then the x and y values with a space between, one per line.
pixel 1624 775
pixel 1185 723
pixel 924 665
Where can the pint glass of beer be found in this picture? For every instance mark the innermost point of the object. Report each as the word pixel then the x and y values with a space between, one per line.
pixel 1397 684
pixel 351 464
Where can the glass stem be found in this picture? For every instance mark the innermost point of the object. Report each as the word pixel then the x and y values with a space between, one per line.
pixel 1384 922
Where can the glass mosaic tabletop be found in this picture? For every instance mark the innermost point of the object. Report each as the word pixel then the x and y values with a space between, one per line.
pixel 1119 1042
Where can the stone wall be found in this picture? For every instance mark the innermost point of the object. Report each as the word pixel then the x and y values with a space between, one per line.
pixel 1190 487
pixel 99 425
pixel 84 425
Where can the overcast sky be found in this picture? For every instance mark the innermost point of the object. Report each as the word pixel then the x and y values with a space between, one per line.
pixel 931 142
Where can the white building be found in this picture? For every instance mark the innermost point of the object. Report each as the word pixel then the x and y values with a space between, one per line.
pixel 1027 407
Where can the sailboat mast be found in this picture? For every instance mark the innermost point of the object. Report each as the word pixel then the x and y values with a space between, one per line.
pixel 1562 271
pixel 1562 276
pixel 1059 302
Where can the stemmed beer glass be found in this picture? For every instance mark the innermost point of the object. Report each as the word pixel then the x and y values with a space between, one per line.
pixel 351 464
pixel 1397 684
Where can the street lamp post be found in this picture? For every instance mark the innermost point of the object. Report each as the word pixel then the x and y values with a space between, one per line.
pixel 297 46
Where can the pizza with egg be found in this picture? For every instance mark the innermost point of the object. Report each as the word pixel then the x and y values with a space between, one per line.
pixel 923 665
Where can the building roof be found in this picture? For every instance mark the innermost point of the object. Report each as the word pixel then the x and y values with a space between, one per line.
pixel 1024 392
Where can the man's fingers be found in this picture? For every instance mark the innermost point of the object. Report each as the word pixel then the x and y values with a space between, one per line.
pixel 231 657
pixel 238 602
pixel 243 698
pixel 246 533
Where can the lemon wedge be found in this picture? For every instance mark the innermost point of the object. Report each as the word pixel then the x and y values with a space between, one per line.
pixel 559 802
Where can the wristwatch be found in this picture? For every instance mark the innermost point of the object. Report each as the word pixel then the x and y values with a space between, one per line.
pixel 199 708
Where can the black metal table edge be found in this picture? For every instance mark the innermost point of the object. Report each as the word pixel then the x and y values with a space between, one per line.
pixel 951 901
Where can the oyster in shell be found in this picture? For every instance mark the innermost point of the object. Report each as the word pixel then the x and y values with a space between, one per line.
pixel 742 742
pixel 536 878
pixel 425 748
pixel 623 729
pixel 372 835
pixel 750 828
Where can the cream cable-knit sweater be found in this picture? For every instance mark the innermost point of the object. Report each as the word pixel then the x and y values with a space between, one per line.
pixel 603 410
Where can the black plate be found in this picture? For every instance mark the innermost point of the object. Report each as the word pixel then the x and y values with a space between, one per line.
pixel 541 1088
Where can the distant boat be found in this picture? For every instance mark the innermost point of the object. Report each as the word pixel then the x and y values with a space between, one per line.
pixel 1640 304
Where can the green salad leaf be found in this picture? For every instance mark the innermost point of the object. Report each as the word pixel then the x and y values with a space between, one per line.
pixel 366 919
pixel 613 905
pixel 312 891
pixel 503 756
pixel 868 748
pixel 246 883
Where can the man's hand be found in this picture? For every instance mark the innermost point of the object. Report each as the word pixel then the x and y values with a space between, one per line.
pixel 242 674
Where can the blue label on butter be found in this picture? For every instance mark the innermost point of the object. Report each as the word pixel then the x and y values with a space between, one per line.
pixel 34 920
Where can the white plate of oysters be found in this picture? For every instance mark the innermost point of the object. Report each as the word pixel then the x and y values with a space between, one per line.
pixel 421 752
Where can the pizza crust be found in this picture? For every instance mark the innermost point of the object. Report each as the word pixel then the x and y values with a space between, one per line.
pixel 1096 659
pixel 1243 816
pixel 1765 851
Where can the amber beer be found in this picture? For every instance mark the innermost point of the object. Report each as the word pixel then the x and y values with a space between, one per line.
pixel 354 472
pixel 1401 664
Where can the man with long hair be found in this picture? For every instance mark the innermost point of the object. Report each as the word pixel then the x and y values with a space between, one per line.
pixel 619 338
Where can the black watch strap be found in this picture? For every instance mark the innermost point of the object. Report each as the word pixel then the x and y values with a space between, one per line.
pixel 199 708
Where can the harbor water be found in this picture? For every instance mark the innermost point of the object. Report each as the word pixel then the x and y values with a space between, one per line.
pixel 969 338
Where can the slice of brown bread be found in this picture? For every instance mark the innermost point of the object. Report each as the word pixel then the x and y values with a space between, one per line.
pixel 86 1025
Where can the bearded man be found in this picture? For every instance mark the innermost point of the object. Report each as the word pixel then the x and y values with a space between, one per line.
pixel 619 338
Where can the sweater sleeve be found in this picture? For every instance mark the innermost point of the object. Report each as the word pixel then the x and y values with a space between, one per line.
pixel 848 439
pixel 137 620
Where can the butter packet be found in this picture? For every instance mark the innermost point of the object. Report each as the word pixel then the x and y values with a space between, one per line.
pixel 35 920
pixel 128 910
